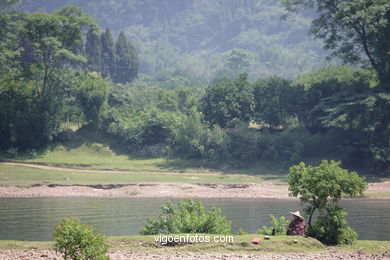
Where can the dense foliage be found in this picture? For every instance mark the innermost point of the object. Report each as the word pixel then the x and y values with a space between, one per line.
pixel 55 72
pixel 322 187
pixel 78 242
pixel 187 217
pixel 331 227
pixel 210 38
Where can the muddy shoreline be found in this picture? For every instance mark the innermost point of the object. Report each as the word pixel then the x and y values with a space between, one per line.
pixel 167 190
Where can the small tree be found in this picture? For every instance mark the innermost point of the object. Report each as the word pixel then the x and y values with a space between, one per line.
pixel 321 188
pixel 187 217
pixel 278 226
pixel 78 242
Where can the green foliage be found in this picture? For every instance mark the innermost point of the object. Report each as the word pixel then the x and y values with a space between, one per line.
pixel 197 36
pixel 127 60
pixel 357 31
pixel 331 227
pixel 109 58
pixel 78 242
pixel 322 187
pixel 278 226
pixel 241 232
pixel 93 51
pixel 187 217
pixel 91 94
pixel 228 103
pixel 273 102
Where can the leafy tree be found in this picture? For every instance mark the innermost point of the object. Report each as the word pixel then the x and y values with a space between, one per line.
pixel 78 242
pixel 32 94
pixel 354 30
pixel 331 227
pixel 91 95
pixel 93 50
pixel 127 61
pixel 324 185
pixel 109 57
pixel 228 103
pixel 272 101
pixel 187 217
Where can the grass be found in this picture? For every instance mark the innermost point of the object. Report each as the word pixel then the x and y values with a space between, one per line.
pixel 27 176
pixel 93 150
pixel 241 244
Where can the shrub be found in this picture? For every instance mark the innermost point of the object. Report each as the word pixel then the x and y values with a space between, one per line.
pixel 332 228
pixel 278 226
pixel 241 231
pixel 187 217
pixel 78 242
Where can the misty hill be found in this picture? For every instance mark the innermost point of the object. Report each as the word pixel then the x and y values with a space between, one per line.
pixel 206 38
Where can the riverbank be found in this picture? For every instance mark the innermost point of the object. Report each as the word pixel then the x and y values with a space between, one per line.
pixel 35 180
pixel 280 247
pixel 170 190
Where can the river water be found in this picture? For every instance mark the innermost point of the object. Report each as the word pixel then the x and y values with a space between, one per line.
pixel 35 218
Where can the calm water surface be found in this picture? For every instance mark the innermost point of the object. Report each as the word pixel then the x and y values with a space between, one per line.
pixel 35 218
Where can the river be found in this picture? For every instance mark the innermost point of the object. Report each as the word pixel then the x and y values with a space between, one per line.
pixel 35 218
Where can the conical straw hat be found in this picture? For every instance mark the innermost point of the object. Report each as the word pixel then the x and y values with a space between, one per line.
pixel 296 213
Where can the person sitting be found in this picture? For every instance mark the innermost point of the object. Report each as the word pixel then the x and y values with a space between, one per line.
pixel 297 226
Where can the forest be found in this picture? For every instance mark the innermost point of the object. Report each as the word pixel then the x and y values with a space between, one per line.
pixel 253 88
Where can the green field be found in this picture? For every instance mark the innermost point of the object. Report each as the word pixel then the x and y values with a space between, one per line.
pixel 241 244
pixel 26 176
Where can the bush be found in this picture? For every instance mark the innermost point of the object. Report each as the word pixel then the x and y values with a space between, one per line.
pixel 241 231
pixel 78 242
pixel 278 226
pixel 332 228
pixel 187 217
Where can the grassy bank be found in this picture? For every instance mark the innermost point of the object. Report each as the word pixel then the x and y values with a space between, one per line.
pixel 241 244
pixel 26 176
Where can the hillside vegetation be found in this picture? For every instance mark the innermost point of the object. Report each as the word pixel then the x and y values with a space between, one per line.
pixel 206 38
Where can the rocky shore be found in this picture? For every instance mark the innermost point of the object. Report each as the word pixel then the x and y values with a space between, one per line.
pixel 125 255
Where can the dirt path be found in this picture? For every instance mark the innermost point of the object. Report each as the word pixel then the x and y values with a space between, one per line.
pixel 122 255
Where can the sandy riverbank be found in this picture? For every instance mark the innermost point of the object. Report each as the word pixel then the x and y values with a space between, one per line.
pixel 166 190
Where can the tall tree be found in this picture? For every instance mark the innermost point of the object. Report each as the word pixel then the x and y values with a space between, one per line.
pixel 127 62
pixel 355 30
pixel 93 51
pixel 228 103
pixel 272 101
pixel 108 54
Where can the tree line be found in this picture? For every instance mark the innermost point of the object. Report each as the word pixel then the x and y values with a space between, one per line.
pixel 48 82
pixel 51 73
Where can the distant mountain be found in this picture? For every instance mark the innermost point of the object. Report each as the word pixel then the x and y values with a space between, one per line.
pixel 207 38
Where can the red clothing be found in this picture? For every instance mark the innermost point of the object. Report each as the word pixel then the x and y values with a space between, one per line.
pixel 297 227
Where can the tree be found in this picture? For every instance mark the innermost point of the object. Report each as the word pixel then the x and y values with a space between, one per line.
pixel 228 103
pixel 272 101
pixel 355 30
pixel 108 54
pixel 324 185
pixel 91 95
pixel 127 61
pixel 32 95
pixel 93 50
